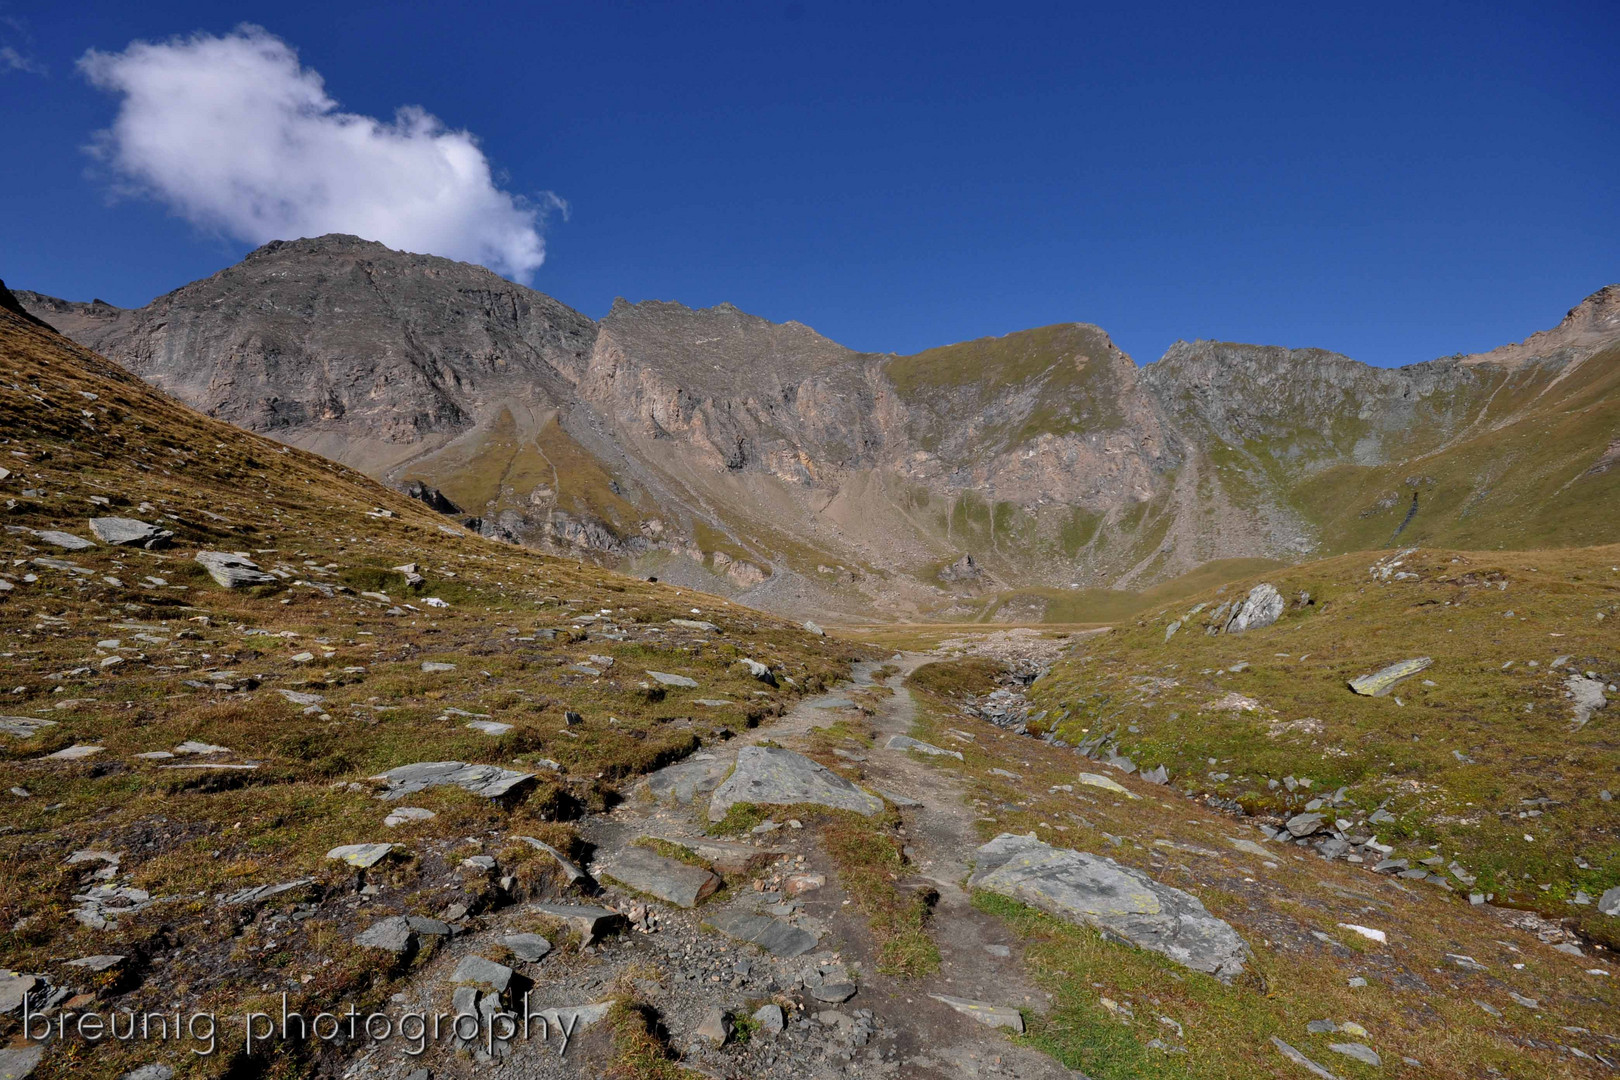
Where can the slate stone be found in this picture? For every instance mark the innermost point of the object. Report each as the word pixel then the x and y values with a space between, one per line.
pixel 1301 825
pixel 666 679
pixel 13 989
pixel 65 541
pixel 392 934
pixel 490 781
pixel 1262 607
pixel 422 924
pixel 233 571
pixel 833 993
pixel 19 1062
pixel 97 963
pixel 906 742
pixel 299 697
pixel 1096 780
pixel 760 671
pixel 527 947
pixel 436 667
pixel 1085 888
pixel 23 727
pixel 715 1028
pixel 773 935
pixel 693 624
pixel 1586 696
pixel 480 971
pixel 1156 775
pixel 666 879
pixel 724 856
pixel 155 1071
pixel 588 921
pixel 770 1019
pixel 75 752
pixel 574 874
pixel 996 1016
pixel 1359 1051
pixel 1381 682
pixel 489 727
pixel 121 532
pixel 1301 1060
pixel 769 775
pixel 265 892
pixel 1609 902
pixel 402 814
pixel 361 855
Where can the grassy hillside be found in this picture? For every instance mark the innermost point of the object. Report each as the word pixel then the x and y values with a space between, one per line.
pixel 1477 759
pixel 304 689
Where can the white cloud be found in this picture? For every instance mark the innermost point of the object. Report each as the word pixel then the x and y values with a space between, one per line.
pixel 237 136
pixel 12 60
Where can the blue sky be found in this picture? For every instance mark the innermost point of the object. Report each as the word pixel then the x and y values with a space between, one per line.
pixel 1394 182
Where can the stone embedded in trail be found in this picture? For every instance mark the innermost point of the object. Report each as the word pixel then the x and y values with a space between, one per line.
pixel 666 879
pixel 361 855
pixel 530 948
pixel 1262 607
pixel 121 531
pixel 996 1016
pixel 724 856
pixel 392 934
pixel 1383 681
pixel 588 921
pixel 1096 780
pixel 233 571
pixel 773 935
pixel 23 727
pixel 490 781
pixel 1099 892
pixel 1586 697
pixel 480 971
pixel 906 742
pixel 771 776
pixel 666 679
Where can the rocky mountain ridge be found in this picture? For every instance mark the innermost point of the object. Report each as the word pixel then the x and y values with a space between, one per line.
pixel 715 448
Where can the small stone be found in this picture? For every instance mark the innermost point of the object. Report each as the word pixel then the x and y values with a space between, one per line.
pixel 1301 1060
pixel 1367 932
pixel 435 667
pixel 1097 780
pixel 1359 1051
pixel 120 531
pixel 833 993
pixel 770 1019
pixel 1381 682
pixel 391 935
pixel 666 679
pixel 906 742
pixel 361 855
pixel 233 571
pixel 715 1028
pixel 527 947
pixel 402 814
pixel 75 752
pixel 1302 825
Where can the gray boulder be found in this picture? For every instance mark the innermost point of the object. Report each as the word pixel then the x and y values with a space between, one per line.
pixel 1262 607
pixel 1609 902
pixel 19 1061
pixel 770 1019
pixel 23 727
pixel 233 571
pixel 1096 891
pixel 476 970
pixel 1381 682
pixel 772 776
pixel 392 934
pixel 527 947
pixel 490 781
pixel 128 532
pixel 665 879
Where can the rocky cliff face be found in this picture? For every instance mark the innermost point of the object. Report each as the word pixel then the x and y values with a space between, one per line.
pixel 721 450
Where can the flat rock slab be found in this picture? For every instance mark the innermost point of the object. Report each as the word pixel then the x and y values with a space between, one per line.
pixel 233 571
pixel 666 879
pixel 527 947
pixel 476 970
pixel 18 1062
pixel 393 935
pixel 773 935
pixel 906 742
pixel 63 540
pixel 75 752
pixel 666 679
pixel 1382 682
pixel 1301 1060
pixel 996 1016
pixel 489 727
pixel 589 921
pixel 490 781
pixel 23 727
pixel 724 856
pixel 265 892
pixel 771 776
pixel 682 782
pixel 400 815
pixel 97 963
pixel 361 855
pixel 120 531
pixel 437 667
pixel 1080 887
pixel 1097 780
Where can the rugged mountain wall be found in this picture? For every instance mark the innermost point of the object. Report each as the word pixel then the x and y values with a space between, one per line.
pixel 718 449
